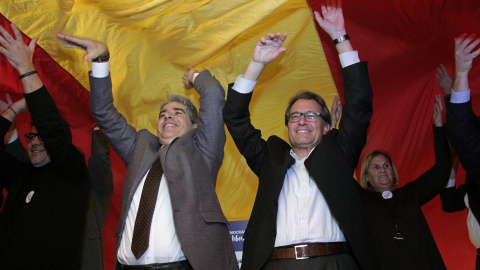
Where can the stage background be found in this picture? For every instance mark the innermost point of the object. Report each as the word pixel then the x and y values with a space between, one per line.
pixel 153 43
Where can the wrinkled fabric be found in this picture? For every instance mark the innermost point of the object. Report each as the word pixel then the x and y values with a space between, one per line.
pixel 403 42
pixel 152 44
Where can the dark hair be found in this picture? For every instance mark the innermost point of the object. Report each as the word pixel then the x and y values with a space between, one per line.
pixel 325 113
pixel 65 127
pixel 191 109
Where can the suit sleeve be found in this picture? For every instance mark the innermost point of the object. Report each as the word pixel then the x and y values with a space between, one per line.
pixel 210 131
pixel 453 199
pixel 463 129
pixel 433 181
pixel 112 124
pixel 247 139
pixel 101 178
pixel 356 113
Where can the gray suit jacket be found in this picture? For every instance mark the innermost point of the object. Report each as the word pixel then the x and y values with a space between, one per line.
pixel 190 165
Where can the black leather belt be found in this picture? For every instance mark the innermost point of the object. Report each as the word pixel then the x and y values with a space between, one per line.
pixel 180 265
pixel 305 251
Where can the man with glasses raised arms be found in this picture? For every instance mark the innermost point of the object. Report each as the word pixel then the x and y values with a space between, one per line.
pixel 307 213
pixel 42 224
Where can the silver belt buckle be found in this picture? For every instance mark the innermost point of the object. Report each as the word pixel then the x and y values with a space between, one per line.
pixel 296 253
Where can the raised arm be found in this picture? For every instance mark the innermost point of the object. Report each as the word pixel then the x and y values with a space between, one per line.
pixel 433 181
pixel 94 49
pixel 462 125
pixel 236 113
pixel 331 20
pixel 267 49
pixel 210 131
pixel 45 116
pixel 112 124
pixel 20 55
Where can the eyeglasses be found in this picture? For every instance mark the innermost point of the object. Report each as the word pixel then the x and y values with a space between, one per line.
pixel 309 116
pixel 29 137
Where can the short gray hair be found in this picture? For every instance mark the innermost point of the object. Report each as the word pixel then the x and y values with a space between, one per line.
pixel 191 109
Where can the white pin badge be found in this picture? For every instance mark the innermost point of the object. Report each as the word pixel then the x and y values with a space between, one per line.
pixel 29 196
pixel 387 194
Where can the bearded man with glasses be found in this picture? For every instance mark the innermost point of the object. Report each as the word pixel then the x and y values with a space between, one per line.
pixel 42 224
pixel 307 213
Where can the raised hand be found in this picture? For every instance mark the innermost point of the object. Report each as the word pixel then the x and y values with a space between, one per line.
pixel 93 48
pixel 331 19
pixel 269 48
pixel 187 78
pixel 335 112
pixel 464 53
pixel 438 112
pixel 444 81
pixel 16 51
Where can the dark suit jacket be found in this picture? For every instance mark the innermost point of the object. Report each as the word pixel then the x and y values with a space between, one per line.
pixel 101 189
pixel 463 131
pixel 453 198
pixel 331 165
pixel 199 221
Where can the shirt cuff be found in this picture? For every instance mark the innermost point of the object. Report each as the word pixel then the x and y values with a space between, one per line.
pixel 243 85
pixel 13 137
pixel 100 69
pixel 460 97
pixel 451 183
pixel 349 58
pixel 194 77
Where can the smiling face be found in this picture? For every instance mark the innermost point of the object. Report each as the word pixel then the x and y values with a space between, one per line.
pixel 37 152
pixel 303 135
pixel 380 174
pixel 173 122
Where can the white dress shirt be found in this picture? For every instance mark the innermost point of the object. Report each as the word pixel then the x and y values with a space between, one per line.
pixel 163 246
pixel 303 214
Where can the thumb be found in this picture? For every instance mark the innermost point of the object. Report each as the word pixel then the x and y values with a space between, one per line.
pixel 32 44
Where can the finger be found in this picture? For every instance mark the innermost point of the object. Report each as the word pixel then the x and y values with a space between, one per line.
pixel 459 40
pixel 86 58
pixel 319 18
pixel 471 46
pixel 18 35
pixel 443 68
pixel 9 99
pixel 76 41
pixel 339 4
pixel 324 9
pixel 329 4
pixel 466 41
pixel 3 38
pixel 475 53
pixel 7 35
pixel 283 37
pixel 32 44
